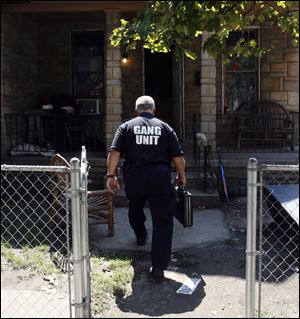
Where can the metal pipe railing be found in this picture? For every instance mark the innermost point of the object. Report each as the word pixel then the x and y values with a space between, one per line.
pixel 79 302
pixel 251 236
pixel 85 234
pixel 35 132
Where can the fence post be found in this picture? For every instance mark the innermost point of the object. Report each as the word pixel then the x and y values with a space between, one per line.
pixel 76 238
pixel 85 233
pixel 251 236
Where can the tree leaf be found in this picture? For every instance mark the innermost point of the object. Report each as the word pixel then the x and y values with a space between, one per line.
pixel 190 54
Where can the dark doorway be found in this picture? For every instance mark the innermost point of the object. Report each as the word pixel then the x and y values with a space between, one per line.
pixel 164 82
pixel 158 83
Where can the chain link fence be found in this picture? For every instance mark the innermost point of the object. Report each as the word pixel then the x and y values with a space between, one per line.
pixel 273 198
pixel 44 252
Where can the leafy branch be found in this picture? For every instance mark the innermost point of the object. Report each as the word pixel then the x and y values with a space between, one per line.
pixel 165 25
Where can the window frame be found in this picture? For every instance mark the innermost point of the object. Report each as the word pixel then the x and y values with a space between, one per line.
pixel 257 72
pixel 74 74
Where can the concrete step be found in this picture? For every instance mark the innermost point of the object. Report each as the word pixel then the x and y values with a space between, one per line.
pixel 195 180
pixel 200 199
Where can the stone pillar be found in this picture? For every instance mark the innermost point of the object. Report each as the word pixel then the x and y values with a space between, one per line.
pixel 113 79
pixel 208 95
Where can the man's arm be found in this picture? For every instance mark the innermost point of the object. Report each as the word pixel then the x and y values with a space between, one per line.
pixel 112 163
pixel 179 163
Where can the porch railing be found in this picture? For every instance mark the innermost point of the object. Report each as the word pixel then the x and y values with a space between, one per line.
pixel 38 133
pixel 226 132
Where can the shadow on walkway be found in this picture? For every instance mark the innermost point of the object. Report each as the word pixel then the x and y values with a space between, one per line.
pixel 153 299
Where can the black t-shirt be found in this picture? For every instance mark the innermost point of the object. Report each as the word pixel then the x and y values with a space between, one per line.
pixel 146 139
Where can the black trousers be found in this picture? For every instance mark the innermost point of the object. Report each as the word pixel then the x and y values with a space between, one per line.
pixel 152 183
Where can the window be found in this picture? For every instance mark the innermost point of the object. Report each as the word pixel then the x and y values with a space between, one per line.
pixel 88 64
pixel 240 75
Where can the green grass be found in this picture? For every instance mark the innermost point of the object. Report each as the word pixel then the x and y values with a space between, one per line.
pixel 111 275
pixel 36 259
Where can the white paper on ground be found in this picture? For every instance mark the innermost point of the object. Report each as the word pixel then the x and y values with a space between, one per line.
pixel 189 286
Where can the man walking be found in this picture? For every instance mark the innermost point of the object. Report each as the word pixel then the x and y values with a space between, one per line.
pixel 149 146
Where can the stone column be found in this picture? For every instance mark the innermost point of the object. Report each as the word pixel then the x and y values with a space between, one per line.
pixel 208 96
pixel 113 79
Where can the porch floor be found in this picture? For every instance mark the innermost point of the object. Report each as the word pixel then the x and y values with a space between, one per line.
pixel 229 159
pixel 235 165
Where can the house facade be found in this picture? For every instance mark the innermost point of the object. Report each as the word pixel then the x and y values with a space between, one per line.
pixel 54 50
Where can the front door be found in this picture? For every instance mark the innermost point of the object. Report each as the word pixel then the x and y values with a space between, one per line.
pixel 163 82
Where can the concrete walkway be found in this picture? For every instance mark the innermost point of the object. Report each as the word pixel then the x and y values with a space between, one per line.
pixel 209 226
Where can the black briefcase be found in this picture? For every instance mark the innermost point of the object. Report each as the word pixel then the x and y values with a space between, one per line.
pixel 183 211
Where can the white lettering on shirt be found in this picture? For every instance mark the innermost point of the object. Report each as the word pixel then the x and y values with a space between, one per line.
pixel 136 130
pixel 146 135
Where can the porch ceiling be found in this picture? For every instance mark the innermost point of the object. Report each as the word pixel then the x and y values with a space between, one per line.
pixel 69 6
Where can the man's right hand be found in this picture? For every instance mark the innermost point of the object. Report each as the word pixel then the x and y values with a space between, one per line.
pixel 112 184
pixel 179 163
pixel 180 180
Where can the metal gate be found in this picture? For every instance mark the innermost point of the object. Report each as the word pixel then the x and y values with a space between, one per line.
pixel 273 198
pixel 44 241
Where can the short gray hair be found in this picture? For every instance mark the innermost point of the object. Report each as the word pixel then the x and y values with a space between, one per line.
pixel 144 102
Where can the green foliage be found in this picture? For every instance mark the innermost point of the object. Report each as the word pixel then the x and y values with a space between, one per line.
pixel 165 25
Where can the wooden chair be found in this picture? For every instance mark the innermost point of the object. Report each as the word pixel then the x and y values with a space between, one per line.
pixel 100 202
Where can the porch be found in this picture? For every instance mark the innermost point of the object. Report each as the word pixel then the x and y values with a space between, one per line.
pixel 235 166
pixel 66 51
pixel 37 131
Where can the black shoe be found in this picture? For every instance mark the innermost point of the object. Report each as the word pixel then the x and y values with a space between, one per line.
pixel 141 240
pixel 157 275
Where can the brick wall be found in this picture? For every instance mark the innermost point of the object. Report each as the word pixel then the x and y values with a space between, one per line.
pixel 208 96
pixel 280 69
pixel 113 79
pixel 19 67
pixel 54 49
pixel 192 92
pixel 280 72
